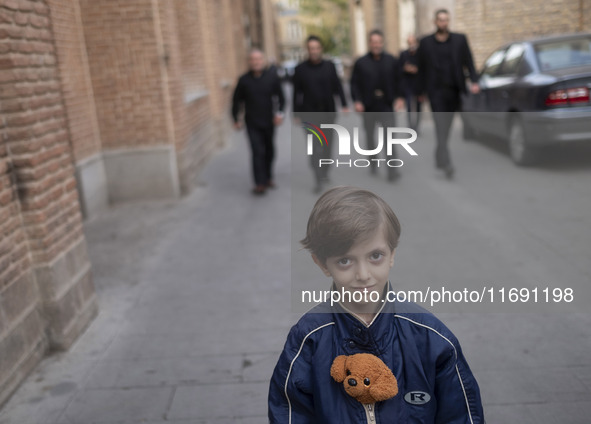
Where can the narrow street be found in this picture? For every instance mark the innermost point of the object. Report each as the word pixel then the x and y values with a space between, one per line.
pixel 195 295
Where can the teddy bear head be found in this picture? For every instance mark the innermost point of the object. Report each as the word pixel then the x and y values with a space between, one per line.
pixel 365 377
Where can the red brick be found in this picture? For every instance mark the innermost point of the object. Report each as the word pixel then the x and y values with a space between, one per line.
pixel 6 198
pixel 21 18
pixel 39 21
pixel 6 16
pixel 10 4
pixel 20 118
pixel 41 8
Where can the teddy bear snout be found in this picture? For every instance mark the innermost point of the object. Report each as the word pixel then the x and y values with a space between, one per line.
pixel 352 382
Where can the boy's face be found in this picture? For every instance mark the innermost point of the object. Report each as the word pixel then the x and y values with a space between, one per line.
pixel 365 266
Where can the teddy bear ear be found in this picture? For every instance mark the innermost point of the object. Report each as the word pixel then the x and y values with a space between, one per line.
pixel 338 369
pixel 384 387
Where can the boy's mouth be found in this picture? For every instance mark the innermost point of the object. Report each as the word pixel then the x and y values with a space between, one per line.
pixel 368 288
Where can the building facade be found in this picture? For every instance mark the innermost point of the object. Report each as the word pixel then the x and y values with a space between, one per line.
pixel 490 24
pixel 291 30
pixel 101 101
pixel 367 15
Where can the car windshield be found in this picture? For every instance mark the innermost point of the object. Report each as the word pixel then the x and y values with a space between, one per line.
pixel 564 53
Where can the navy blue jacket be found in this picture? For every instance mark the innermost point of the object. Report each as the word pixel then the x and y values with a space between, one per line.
pixel 423 354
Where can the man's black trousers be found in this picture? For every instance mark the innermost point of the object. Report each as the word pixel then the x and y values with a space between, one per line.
pixel 444 102
pixel 373 117
pixel 263 153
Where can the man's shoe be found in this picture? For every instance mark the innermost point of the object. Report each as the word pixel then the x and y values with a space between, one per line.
pixel 259 190
pixel 393 174
pixel 449 172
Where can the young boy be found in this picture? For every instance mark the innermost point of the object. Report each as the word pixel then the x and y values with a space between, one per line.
pixel 352 235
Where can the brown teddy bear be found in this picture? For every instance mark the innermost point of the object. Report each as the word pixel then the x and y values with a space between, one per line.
pixel 365 376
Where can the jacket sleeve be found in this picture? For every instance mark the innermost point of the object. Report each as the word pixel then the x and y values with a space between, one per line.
pixel 355 84
pixel 278 91
pixel 337 86
pixel 457 392
pixel 467 60
pixel 422 67
pixel 237 100
pixel 290 391
pixel 297 91
pixel 397 87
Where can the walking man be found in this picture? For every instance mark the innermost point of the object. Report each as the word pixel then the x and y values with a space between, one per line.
pixel 315 85
pixel 375 86
pixel 410 83
pixel 443 56
pixel 259 90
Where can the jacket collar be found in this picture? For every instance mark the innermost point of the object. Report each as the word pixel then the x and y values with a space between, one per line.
pixel 354 335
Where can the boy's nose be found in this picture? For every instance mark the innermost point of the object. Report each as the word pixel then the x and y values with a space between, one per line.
pixel 362 272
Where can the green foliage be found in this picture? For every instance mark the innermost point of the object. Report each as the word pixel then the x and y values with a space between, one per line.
pixel 334 27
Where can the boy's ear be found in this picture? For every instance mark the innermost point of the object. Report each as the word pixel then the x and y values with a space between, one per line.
pixel 321 265
pixel 392 257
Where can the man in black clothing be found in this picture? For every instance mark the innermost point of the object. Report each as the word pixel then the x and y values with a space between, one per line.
pixel 442 59
pixel 410 86
pixel 375 85
pixel 259 89
pixel 315 84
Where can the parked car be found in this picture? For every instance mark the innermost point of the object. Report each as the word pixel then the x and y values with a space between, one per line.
pixel 533 94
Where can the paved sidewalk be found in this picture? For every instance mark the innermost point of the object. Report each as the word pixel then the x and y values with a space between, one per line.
pixel 194 301
pixel 193 297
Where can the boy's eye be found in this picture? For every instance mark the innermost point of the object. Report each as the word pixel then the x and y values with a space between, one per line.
pixel 376 256
pixel 344 261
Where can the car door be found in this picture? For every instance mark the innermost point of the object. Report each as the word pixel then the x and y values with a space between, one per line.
pixel 503 89
pixel 480 104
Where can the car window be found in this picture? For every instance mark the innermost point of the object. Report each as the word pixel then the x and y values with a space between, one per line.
pixel 512 59
pixel 493 62
pixel 564 53
pixel 525 68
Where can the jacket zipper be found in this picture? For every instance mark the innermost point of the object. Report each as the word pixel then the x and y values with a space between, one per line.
pixel 369 412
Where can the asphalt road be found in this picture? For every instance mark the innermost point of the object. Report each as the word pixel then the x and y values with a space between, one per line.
pixel 196 295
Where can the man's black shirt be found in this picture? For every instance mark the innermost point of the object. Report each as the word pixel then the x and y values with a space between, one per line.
pixel 372 75
pixel 314 87
pixel 409 81
pixel 258 95
pixel 444 64
pixel 433 60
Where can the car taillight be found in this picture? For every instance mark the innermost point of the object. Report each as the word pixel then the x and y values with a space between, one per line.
pixel 576 95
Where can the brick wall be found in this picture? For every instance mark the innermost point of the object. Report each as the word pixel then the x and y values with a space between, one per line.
pixel 75 78
pixel 79 80
pixel 22 337
pixel 124 66
pixel 46 292
pixel 490 24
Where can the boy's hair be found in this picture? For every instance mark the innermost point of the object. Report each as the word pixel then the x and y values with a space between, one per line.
pixel 345 215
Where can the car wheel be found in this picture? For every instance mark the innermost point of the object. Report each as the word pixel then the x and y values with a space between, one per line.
pixel 520 152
